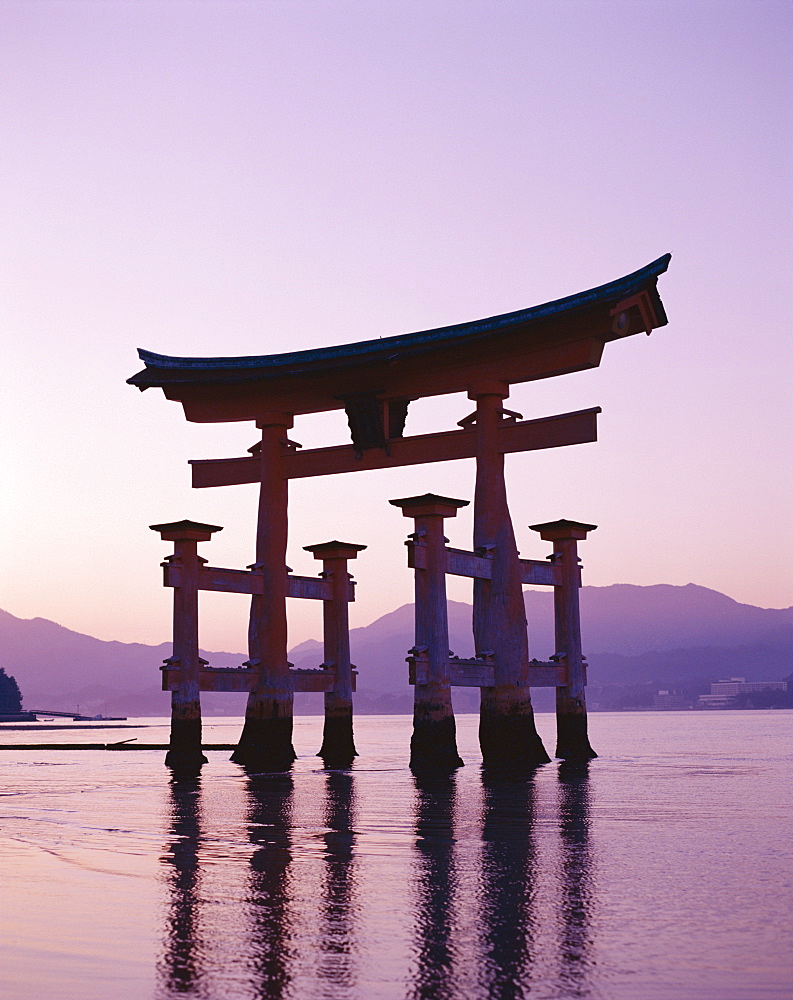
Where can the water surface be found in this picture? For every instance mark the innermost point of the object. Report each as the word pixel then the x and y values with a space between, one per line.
pixel 660 871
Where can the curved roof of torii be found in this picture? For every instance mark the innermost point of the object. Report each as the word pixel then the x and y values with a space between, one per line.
pixel 556 337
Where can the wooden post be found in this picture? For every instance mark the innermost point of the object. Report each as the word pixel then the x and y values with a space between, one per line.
pixel 184 754
pixel 266 740
pixel 338 746
pixel 572 741
pixel 507 734
pixel 434 741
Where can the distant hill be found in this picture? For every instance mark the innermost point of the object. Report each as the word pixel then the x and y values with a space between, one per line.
pixel 631 635
pixel 58 668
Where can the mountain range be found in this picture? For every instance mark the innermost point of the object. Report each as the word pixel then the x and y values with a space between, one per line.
pixel 632 635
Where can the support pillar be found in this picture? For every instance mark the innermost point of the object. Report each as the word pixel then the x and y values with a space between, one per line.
pixel 507 734
pixel 572 740
pixel 185 755
pixel 433 745
pixel 266 740
pixel 338 747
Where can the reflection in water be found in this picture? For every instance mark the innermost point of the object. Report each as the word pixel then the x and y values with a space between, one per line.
pixel 180 967
pixel 508 879
pixel 338 889
pixel 577 889
pixel 502 900
pixel 435 888
pixel 271 951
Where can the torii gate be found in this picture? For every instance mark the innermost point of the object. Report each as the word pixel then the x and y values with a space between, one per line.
pixel 374 382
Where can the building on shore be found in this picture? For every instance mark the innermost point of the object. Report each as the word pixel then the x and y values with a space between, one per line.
pixel 724 692
pixel 669 698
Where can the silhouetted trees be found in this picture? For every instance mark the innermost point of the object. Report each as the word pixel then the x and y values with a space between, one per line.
pixel 10 697
pixel 767 698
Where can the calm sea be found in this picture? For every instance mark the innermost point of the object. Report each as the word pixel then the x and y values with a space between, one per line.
pixel 661 871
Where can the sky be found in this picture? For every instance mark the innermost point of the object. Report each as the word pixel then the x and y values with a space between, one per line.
pixel 203 178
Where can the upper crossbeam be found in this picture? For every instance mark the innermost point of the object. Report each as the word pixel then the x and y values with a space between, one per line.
pixel 579 427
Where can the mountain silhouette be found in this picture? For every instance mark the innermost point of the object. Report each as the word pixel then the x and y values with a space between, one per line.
pixel 631 634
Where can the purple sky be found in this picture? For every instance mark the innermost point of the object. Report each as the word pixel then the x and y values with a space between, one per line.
pixel 249 178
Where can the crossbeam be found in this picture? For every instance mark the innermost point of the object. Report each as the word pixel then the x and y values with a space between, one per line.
pixel 242 679
pixel 479 672
pixel 579 427
pixel 480 567
pixel 241 581
pixel 539 573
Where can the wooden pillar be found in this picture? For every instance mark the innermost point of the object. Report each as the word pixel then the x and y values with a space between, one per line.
pixel 507 734
pixel 184 755
pixel 572 741
pixel 266 740
pixel 338 746
pixel 433 745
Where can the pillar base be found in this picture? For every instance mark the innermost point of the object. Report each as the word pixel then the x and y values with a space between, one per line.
pixel 265 745
pixel 572 741
pixel 509 739
pixel 185 756
pixel 185 763
pixel 338 747
pixel 433 746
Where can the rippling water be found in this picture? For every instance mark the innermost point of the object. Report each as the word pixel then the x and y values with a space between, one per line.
pixel 661 871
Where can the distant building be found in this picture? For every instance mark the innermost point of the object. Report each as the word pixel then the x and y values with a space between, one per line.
pixel 669 699
pixel 723 692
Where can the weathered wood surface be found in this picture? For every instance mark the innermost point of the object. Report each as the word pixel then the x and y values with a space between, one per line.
pixel 312 588
pixel 212 678
pixel 240 679
pixel 462 673
pixel 540 574
pixel 241 581
pixel 480 673
pixel 184 754
pixel 460 562
pixel 433 745
pixel 507 734
pixel 579 427
pixel 338 743
pixel 266 739
pixel 470 564
pixel 572 742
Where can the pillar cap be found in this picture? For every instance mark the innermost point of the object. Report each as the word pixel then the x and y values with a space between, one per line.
pixel 275 418
pixel 562 530
pixel 186 531
pixel 334 550
pixel 488 387
pixel 429 503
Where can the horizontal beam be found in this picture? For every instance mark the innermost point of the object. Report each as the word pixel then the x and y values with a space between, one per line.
pixel 547 675
pixel 558 431
pixel 241 581
pixel 539 573
pixel 228 679
pixel 471 673
pixel 461 563
pixel 481 673
pixel 311 587
pixel 233 679
pixel 316 680
pixel 231 581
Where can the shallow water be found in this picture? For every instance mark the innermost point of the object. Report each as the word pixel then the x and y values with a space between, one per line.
pixel 661 871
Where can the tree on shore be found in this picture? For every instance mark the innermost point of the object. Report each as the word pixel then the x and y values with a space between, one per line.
pixel 10 697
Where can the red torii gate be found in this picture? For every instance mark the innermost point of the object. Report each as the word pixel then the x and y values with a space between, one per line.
pixel 374 381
